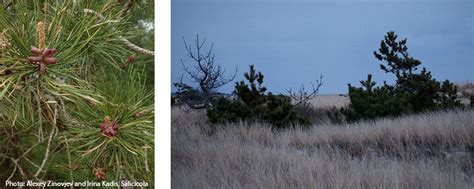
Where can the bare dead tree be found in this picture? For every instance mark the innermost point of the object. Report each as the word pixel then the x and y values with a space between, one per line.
pixel 203 70
pixel 302 96
pixel 206 72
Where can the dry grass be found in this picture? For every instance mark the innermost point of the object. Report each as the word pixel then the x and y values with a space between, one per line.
pixel 421 151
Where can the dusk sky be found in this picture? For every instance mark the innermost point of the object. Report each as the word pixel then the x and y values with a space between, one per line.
pixel 294 41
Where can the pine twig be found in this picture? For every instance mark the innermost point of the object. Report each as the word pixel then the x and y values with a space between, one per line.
pixel 69 158
pixel 13 173
pixel 126 9
pixel 15 161
pixel 125 41
pixel 147 167
pixel 136 48
pixel 46 154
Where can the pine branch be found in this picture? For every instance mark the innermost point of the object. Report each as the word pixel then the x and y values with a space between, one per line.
pixel 69 158
pixel 46 154
pixel 123 39
pixel 15 161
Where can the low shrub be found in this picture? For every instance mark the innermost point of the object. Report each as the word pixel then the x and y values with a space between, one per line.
pixel 254 104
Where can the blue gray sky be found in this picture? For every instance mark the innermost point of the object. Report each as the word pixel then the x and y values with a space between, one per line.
pixel 294 41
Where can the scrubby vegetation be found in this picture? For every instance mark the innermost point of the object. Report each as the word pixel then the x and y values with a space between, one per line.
pixel 415 133
pixel 414 92
pixel 253 103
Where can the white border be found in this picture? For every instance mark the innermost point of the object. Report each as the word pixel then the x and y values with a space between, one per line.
pixel 162 94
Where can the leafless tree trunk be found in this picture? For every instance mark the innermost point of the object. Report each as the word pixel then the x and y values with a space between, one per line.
pixel 203 70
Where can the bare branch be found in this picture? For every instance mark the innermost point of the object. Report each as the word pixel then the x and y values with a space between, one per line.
pixel 205 71
pixel 302 96
pixel 13 173
pixel 15 161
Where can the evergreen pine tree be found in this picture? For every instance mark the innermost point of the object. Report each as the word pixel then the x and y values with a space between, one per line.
pixel 413 91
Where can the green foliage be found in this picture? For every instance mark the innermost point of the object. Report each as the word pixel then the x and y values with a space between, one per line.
pixel 253 104
pixel 227 111
pixel 413 92
pixel 279 112
pixel 252 94
pixel 51 114
pixel 131 107
pixel 369 102
pixel 448 95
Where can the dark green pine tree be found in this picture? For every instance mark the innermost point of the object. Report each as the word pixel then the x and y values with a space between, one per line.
pixel 369 102
pixel 414 91
pixel 448 95
pixel 423 91
pixel 254 104
pixel 253 93
pixel 399 62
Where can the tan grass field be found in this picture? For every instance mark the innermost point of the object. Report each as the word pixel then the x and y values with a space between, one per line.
pixel 434 150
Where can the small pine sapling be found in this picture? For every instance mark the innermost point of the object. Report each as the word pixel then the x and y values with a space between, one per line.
pixel 254 104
